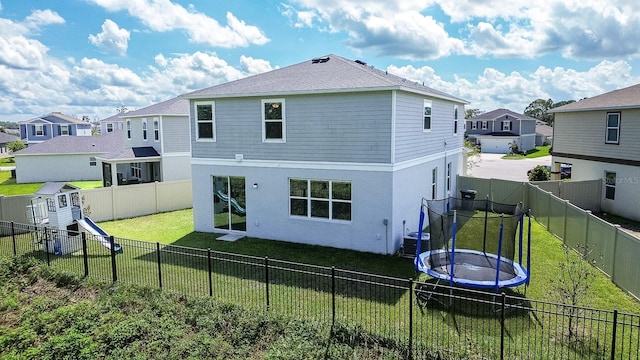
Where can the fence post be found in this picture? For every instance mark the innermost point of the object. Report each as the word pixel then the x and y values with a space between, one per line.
pixel 13 236
pixel 114 271
pixel 266 278
pixel 46 245
pixel 410 318
pixel 613 335
pixel 504 298
pixel 159 264
pixel 333 296
pixel 85 255
pixel 209 270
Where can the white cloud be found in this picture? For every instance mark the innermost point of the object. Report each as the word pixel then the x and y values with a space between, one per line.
pixel 112 38
pixel 164 15
pixel 253 66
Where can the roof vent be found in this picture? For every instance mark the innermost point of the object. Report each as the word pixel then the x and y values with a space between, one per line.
pixel 320 60
pixel 361 62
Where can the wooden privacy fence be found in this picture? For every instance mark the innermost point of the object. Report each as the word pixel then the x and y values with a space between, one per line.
pixel 559 208
pixel 116 202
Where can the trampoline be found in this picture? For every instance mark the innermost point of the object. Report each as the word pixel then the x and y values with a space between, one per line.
pixel 474 243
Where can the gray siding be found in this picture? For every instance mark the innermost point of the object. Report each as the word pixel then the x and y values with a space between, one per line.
pixel 528 127
pixel 175 134
pixel 411 141
pixel 349 127
pixel 136 134
pixel 583 133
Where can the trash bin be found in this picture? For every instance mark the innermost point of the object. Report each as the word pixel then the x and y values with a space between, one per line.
pixel 468 196
pixel 411 243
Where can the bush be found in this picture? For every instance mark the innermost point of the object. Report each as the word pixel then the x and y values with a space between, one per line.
pixel 539 173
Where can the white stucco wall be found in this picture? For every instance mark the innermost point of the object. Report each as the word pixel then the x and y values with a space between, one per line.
pixel 176 167
pixel 67 167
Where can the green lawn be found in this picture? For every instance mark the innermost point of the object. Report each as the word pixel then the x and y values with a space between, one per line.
pixel 9 161
pixel 9 187
pixel 539 151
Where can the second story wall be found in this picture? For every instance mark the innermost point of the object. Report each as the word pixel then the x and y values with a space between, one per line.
pixel 135 134
pixel 343 127
pixel 584 133
pixel 175 134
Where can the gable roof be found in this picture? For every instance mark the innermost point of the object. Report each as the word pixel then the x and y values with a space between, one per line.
pixel 55 118
pixel 542 128
pixel 178 106
pixel 112 141
pixel 51 188
pixel 498 113
pixel 626 98
pixel 328 74
pixel 112 118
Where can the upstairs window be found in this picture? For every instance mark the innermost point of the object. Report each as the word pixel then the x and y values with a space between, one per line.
pixel 38 130
pixel 64 130
pixel 128 129
pixel 205 121
pixel 144 129
pixel 506 126
pixel 156 130
pixel 273 120
pixel 484 125
pixel 613 128
pixel 610 185
pixel 426 126
pixel 474 126
pixel 455 119
pixel 109 127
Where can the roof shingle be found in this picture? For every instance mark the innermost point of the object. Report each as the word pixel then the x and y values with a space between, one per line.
pixel 626 98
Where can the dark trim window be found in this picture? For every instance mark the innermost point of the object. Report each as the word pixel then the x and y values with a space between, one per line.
pixel 426 125
pixel 610 185
pixel 156 129
pixel 62 201
pixel 205 121
pixel 613 128
pixel 322 199
pixel 144 129
pixel 273 120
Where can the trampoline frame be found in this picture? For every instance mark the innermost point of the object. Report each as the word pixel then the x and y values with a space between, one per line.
pixel 522 275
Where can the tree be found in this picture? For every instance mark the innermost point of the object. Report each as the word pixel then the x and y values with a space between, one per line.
pixel 469 113
pixel 539 173
pixel 16 146
pixel 539 109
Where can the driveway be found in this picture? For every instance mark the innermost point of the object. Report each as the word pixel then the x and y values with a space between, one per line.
pixel 493 166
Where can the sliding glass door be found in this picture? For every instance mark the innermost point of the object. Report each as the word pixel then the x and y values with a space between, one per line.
pixel 229 203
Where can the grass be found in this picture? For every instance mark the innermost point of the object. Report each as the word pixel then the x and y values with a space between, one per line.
pixel 9 187
pixel 7 161
pixel 539 151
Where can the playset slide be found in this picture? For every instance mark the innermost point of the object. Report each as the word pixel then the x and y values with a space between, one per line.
pixel 224 197
pixel 99 233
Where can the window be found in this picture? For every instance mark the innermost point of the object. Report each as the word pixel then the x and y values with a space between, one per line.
pixel 109 127
pixel 506 126
pixel 75 199
pixel 455 119
pixel 323 199
pixel 448 177
pixel 205 121
pixel 434 183
pixel 92 161
pixel 128 129
pixel 39 130
pixel 64 130
pixel 474 126
pixel 156 130
pixel 484 125
pixel 613 128
pixel 610 185
pixel 136 171
pixel 427 115
pixel 62 201
pixel 144 129
pixel 51 205
pixel 273 120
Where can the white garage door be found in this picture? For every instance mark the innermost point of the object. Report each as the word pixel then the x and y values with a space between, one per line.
pixel 496 146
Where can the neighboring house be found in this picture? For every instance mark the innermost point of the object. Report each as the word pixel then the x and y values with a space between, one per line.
pixel 49 126
pixel 112 123
pixel 4 140
pixel 328 151
pixel 65 158
pixel 544 133
pixel 496 130
pixel 598 136
pixel 156 146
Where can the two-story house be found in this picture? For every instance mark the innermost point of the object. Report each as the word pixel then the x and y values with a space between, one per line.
pixel 156 146
pixel 495 131
pixel 112 123
pixel 328 151
pixel 55 124
pixel 598 136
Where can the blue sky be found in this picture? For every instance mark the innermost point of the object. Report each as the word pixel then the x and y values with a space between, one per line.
pixel 89 57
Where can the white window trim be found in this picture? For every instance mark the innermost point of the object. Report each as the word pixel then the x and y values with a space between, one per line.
pixel 156 129
pixel 129 129
pixel 474 125
pixel 606 134
pixel 506 125
pixel 213 120
pixel 62 132
pixel 434 183
pixel 484 125
pixel 607 185
pixel 449 165
pixel 424 105
pixel 330 200
pixel 145 130
pixel 264 121
pixel 109 127
pixel 41 131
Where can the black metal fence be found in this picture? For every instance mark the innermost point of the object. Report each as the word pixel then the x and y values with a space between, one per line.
pixel 421 320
